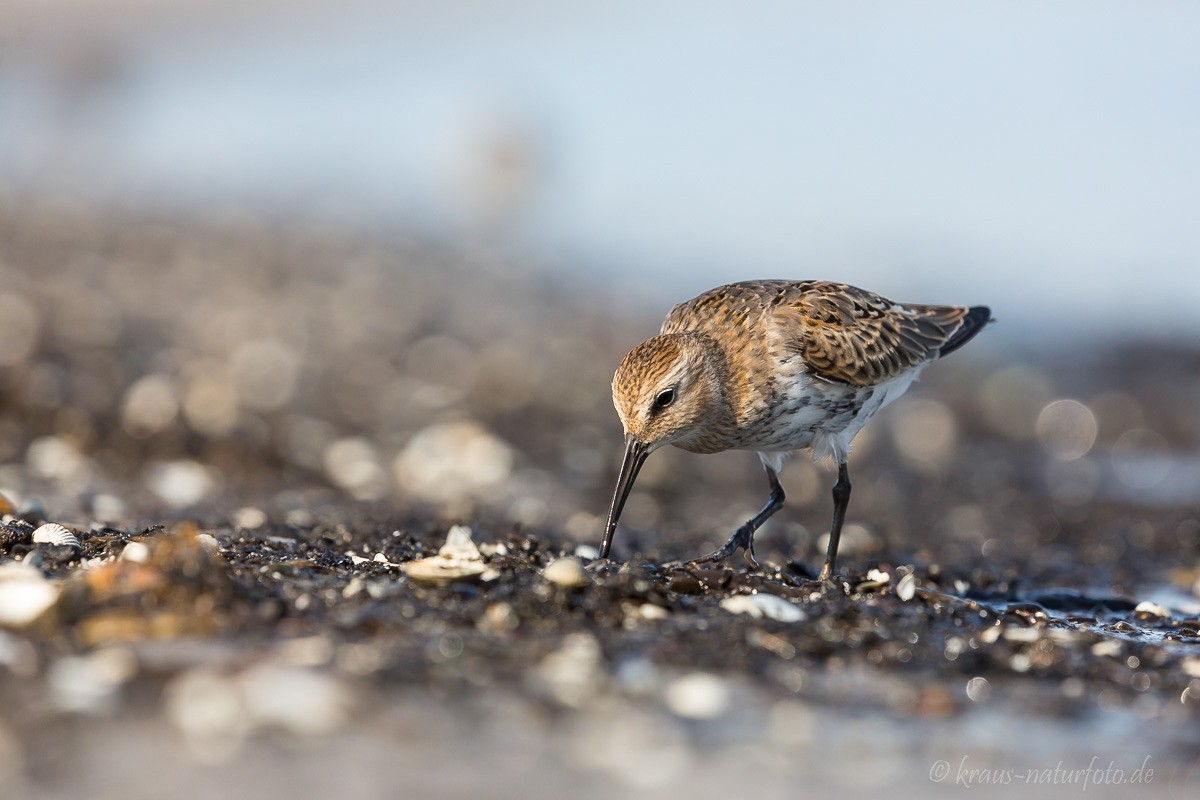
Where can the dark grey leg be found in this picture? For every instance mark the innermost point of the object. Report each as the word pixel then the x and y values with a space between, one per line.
pixel 743 537
pixel 841 499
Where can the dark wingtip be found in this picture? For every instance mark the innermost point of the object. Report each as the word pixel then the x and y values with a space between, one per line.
pixel 972 324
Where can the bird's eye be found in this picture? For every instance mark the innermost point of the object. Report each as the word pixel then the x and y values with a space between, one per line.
pixel 664 399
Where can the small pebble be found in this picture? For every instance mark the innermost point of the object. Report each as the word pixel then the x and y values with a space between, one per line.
pixel 53 533
pixel 567 573
pixel 249 518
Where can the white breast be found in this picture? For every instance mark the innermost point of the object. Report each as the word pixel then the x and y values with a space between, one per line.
pixel 826 417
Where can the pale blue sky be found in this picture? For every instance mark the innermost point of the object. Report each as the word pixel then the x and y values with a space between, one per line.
pixel 1041 156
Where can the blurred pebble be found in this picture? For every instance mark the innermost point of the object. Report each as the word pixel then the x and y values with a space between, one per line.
pixel 351 463
pixel 300 518
pixel 18 655
pixel 265 373
pixel 301 701
pixel 56 458
pixel 53 533
pixel 500 617
pixel 89 683
pixel 906 587
pixel 24 594
pixel 652 612
pixel 179 484
pixel 106 508
pixel 637 675
pixel 450 460
pixel 573 674
pixel 587 552
pixel 699 695
pixel 137 552
pixel 638 748
pixel 1191 666
pixel 566 573
pixel 763 605
pixel 216 711
pixel 206 708
pixel 249 518
pixel 150 405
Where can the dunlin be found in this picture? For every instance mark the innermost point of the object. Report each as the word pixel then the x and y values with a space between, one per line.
pixel 775 366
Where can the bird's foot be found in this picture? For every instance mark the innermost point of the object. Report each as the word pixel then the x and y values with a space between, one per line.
pixel 743 538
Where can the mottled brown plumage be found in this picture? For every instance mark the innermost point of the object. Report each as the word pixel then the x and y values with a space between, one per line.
pixel 774 366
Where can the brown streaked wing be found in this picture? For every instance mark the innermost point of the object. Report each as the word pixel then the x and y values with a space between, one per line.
pixel 851 336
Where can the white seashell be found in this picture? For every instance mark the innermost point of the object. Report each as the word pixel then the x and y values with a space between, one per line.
pixel 763 605
pixel 53 533
pixel 906 587
pixel 459 546
pixel 567 573
pixel 439 571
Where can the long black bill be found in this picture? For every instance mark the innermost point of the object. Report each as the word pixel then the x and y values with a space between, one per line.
pixel 635 456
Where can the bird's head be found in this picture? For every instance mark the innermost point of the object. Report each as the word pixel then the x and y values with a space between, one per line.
pixel 665 391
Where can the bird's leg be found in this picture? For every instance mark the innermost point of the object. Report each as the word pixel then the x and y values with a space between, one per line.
pixel 841 499
pixel 743 537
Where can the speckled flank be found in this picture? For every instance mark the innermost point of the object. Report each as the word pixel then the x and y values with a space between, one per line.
pixel 776 366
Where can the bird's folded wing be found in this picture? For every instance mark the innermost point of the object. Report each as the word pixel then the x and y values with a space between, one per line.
pixel 855 337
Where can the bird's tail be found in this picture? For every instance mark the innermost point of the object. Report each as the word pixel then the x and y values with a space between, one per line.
pixel 972 323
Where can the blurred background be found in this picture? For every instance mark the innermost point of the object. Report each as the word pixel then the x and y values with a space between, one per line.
pixel 1039 156
pixel 321 264
pixel 398 248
